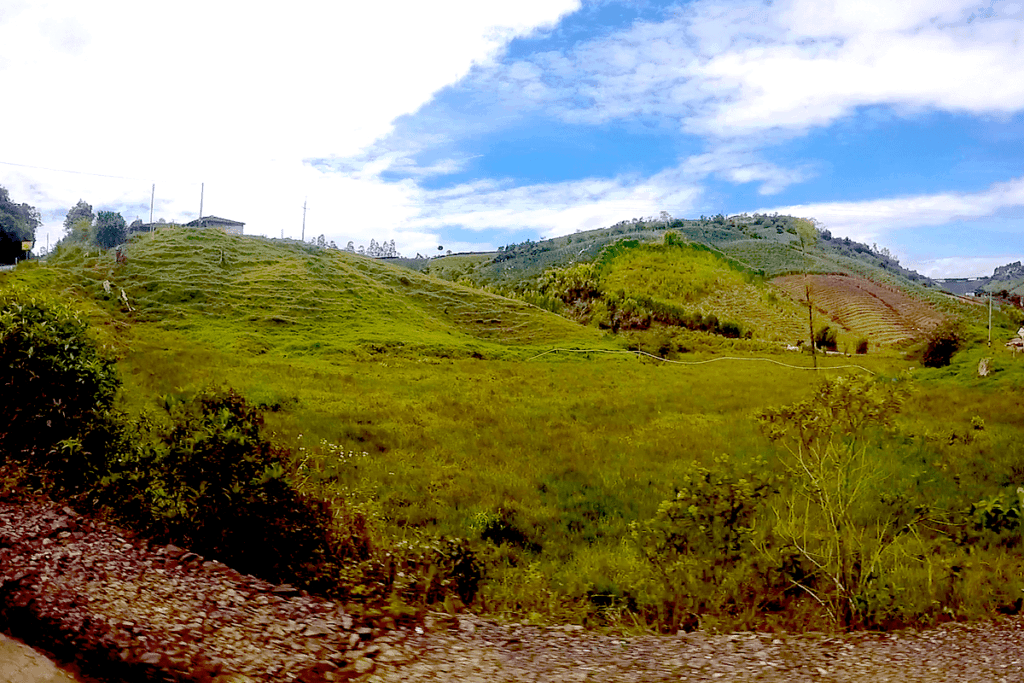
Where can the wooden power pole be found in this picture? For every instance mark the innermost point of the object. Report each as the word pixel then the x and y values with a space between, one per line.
pixel 990 318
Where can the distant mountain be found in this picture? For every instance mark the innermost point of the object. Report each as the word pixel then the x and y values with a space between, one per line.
pixel 1009 278
pixel 1011 271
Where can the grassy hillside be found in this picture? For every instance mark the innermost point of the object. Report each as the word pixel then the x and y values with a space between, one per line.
pixel 766 246
pixel 253 295
pixel 701 281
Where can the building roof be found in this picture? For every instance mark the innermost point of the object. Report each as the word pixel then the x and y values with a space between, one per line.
pixel 212 220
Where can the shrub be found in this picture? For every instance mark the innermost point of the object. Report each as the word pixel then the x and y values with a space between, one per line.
pixel 110 229
pixel 943 342
pixel 673 239
pixel 826 338
pixel 55 388
pixel 699 543
pixel 222 489
pixel 862 346
pixel 834 513
pixel 731 330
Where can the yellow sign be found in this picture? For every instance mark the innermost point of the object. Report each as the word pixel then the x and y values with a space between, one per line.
pixel 27 246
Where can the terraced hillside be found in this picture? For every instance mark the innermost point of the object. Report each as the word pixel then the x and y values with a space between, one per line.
pixel 884 314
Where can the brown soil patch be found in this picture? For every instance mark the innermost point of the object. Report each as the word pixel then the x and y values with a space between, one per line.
pixel 882 313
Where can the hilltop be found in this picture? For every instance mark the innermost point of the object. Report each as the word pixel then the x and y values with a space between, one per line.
pixel 765 244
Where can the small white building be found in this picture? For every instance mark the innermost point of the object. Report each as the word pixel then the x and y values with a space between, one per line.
pixel 229 226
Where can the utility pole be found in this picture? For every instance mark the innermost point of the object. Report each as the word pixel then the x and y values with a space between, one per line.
pixel 990 319
pixel 303 220
pixel 152 197
pixel 810 318
pixel 202 188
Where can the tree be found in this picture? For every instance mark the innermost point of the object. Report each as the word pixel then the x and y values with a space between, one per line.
pixel 111 229
pixel 808 237
pixel 18 223
pixel 82 211
pixel 350 246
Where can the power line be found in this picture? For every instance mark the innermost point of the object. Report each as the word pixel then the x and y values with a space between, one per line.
pixel 64 170
pixel 85 173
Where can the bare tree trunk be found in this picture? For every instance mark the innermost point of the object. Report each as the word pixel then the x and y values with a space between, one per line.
pixel 810 319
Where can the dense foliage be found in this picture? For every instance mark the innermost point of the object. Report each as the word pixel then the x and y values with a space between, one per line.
pixel 942 343
pixel 55 386
pixel 82 211
pixel 111 229
pixel 18 223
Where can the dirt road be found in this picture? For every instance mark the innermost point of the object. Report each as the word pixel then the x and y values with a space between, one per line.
pixel 21 664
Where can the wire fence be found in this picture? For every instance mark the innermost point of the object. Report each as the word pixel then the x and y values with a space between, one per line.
pixel 703 362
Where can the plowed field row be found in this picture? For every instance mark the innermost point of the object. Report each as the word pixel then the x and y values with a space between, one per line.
pixel 883 314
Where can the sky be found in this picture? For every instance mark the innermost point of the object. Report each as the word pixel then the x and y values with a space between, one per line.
pixel 468 125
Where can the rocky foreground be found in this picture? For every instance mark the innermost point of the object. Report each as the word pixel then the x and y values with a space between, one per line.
pixel 121 609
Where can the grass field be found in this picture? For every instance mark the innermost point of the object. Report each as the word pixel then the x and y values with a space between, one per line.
pixel 441 409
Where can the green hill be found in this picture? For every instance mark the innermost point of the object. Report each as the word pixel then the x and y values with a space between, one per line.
pixel 700 281
pixel 253 294
pixel 761 243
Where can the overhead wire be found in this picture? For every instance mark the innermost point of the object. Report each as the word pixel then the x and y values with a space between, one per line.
pixel 702 362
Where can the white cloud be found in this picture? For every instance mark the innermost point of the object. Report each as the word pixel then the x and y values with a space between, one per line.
pixel 961 266
pixel 557 208
pixel 201 90
pixel 731 69
pixel 866 220
pixel 744 166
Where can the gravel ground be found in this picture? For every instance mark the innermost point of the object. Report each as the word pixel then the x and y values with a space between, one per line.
pixel 124 610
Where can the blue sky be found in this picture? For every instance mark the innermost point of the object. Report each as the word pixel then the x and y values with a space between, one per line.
pixel 475 124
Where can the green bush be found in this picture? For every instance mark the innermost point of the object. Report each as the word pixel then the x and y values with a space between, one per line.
pixel 943 342
pixel 862 346
pixel 731 330
pixel 699 546
pixel 220 488
pixel 56 389
pixel 826 338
